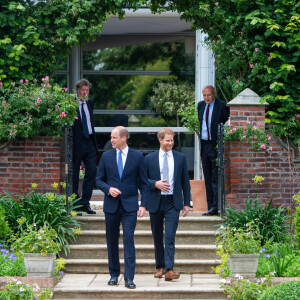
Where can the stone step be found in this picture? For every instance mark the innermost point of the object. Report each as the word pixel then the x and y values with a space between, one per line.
pixel 143 251
pixel 94 286
pixel 193 222
pixel 196 237
pixel 143 266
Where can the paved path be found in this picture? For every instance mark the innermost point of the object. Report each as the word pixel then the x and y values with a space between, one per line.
pixel 145 283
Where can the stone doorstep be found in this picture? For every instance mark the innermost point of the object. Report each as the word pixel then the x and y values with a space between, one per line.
pixel 46 282
pixel 275 280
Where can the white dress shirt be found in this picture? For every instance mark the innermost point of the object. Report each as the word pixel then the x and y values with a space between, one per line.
pixel 171 169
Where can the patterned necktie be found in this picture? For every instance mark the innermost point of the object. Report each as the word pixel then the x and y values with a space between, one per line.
pixel 120 164
pixel 84 122
pixel 206 119
pixel 166 168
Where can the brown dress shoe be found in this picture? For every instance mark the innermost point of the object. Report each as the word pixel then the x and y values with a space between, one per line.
pixel 171 275
pixel 159 273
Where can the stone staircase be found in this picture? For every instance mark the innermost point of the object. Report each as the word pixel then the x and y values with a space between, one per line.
pixel 195 255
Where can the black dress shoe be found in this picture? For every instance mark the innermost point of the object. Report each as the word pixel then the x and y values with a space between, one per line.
pixel 211 212
pixel 88 210
pixel 113 281
pixel 129 284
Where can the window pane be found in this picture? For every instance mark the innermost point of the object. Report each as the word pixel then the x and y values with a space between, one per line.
pixel 149 56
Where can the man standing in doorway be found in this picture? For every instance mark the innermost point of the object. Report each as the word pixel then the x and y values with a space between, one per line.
pixel 169 192
pixel 84 146
pixel 120 174
pixel 211 112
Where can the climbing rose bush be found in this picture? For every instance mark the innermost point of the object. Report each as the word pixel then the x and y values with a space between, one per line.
pixel 30 108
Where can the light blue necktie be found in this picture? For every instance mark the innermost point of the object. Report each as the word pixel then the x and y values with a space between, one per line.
pixel 120 164
pixel 166 168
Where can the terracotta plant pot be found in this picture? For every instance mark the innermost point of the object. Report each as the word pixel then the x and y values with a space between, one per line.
pixel 198 193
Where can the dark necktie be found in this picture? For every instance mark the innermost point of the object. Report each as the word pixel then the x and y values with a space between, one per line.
pixel 84 122
pixel 206 119
pixel 120 164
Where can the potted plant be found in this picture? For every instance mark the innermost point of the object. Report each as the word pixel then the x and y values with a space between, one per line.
pixel 243 247
pixel 39 248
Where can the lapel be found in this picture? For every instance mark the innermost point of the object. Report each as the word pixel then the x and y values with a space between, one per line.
pixel 201 110
pixel 114 164
pixel 128 161
pixel 156 169
pixel 213 116
pixel 175 165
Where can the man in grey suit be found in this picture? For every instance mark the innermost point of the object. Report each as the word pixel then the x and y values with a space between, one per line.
pixel 168 180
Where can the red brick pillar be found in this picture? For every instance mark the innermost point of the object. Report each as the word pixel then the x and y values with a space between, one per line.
pixel 33 160
pixel 240 161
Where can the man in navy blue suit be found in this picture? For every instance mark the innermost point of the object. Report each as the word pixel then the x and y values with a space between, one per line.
pixel 211 112
pixel 169 192
pixel 84 146
pixel 120 174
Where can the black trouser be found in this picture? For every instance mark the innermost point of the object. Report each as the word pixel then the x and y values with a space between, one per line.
pixel 209 156
pixel 87 155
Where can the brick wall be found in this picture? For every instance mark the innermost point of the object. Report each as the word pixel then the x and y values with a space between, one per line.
pixel 34 160
pixel 280 167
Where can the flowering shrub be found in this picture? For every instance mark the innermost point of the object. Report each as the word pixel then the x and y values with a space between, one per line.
pixel 244 288
pixel 18 290
pixel 253 135
pixel 241 241
pixel 28 109
pixel 11 264
pixel 32 240
pixel 81 172
pixel 49 208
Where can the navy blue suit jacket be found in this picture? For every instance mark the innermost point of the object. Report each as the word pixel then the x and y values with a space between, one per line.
pixel 78 132
pixel 134 177
pixel 182 189
pixel 220 115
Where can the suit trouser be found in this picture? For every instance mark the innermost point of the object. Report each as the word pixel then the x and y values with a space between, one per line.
pixel 209 163
pixel 112 222
pixel 164 256
pixel 88 155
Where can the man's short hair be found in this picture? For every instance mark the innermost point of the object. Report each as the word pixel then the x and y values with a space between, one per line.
pixel 82 82
pixel 161 134
pixel 209 86
pixel 122 131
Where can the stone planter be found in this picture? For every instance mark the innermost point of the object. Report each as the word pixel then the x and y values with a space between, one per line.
pixel 243 264
pixel 37 265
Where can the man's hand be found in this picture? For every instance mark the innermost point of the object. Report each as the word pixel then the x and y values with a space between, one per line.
pixel 142 211
pixel 114 192
pixel 162 185
pixel 185 210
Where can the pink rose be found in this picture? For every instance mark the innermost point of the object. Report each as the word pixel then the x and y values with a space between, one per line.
pixel 256 49
pixel 263 146
pixel 217 3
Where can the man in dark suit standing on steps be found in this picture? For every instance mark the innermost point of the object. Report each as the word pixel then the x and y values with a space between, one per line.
pixel 84 146
pixel 211 112
pixel 169 192
pixel 120 174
